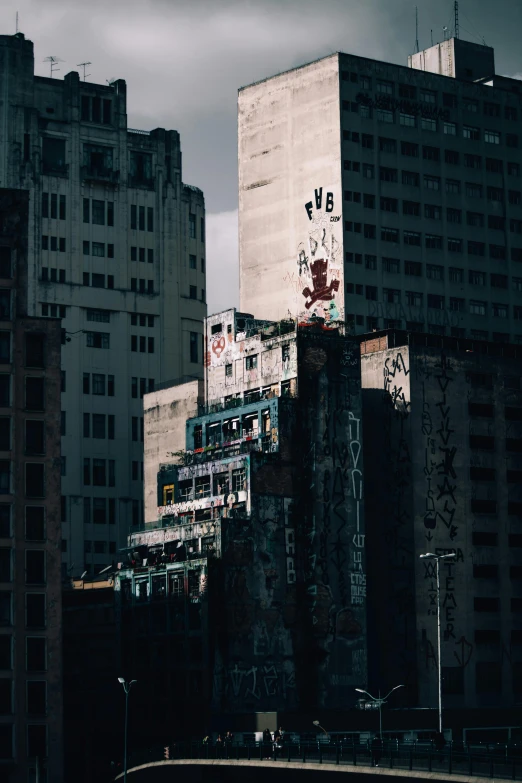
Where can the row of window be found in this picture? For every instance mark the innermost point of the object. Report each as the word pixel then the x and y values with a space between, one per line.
pixel 192 227
pixel 146 344
pixel 36 697
pixel 432 241
pixel 141 386
pixel 137 428
pixel 34 478
pixel 431 97
pixel 193 263
pixel 434 211
pixel 53 311
pixel 36 652
pixel 141 218
pixel 431 182
pixel 436 301
pixel 34 391
pixel 138 253
pixel 98 383
pixel 98 425
pixel 433 271
pixel 140 319
pixel 99 511
pixel 142 286
pixel 34 522
pixel 485 410
pixel 487 443
pixel 98 249
pixel 54 206
pixel 53 243
pixel 491 539
pixel 34 435
pixel 488 679
pixel 429 123
pixel 99 472
pixel 374 324
pixel 99 547
pixel 35 565
pixel 137 470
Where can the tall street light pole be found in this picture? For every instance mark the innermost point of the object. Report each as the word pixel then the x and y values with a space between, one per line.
pixel 126 687
pixel 379 703
pixel 438 558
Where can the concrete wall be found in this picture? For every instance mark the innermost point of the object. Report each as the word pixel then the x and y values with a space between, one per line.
pixel 290 198
pixel 437 501
pixel 165 413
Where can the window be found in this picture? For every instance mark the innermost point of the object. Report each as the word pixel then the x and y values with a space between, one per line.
pixel 370 261
pixel 492 137
pixel 391 265
pixel 498 252
pixel 451 157
pixel 34 567
pixel 34 480
pixel 97 159
pixel 193 292
pixel 36 700
pixel 427 123
pixel 499 310
pixel 34 350
pixel 495 194
pixel 384 115
pixel 35 610
pixel 98 212
pixel 431 183
pixel 413 268
pixel 34 435
pixel 453 215
pixel 456 304
pixel 511 140
pixel 454 245
pixel 408 120
pixel 431 153
pixel 452 186
pixel 470 132
pixel 368 201
pixel 435 302
pixel 369 231
pixel 476 248
pixel 371 292
pixel 411 178
pixel 391 295
pixel 475 219
pixel 433 241
pixel 473 161
pixel 494 166
pixel 192 226
pixel 387 174
pixel 251 363
pixel 412 238
pixel 434 272
pixel 150 219
pixel 194 347
pixel 140 170
pixel 411 208
pixel 432 211
pixel 192 262
pixel 367 141
pixel 450 128
pixel 477 308
pixel 53 156
pixel 368 170
pixel 389 204
pixel 5 522
pixel 385 87
pixel 5 262
pixel 488 674
pixel 98 340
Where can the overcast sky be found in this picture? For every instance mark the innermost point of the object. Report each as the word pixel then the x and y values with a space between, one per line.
pixel 184 60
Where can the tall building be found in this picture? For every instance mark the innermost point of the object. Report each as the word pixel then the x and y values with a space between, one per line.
pixel 385 196
pixel 116 250
pixel 252 575
pixel 443 425
pixel 31 732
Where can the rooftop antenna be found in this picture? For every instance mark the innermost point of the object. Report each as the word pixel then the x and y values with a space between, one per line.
pixel 53 61
pixel 456 18
pixel 445 32
pixel 17 22
pixel 84 66
pixel 416 29
pixel 431 32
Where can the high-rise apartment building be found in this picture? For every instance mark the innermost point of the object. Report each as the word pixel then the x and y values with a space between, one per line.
pixel 117 251
pixel 385 195
pixel 31 742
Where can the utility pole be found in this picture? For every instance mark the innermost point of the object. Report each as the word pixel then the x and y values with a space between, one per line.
pixel 126 687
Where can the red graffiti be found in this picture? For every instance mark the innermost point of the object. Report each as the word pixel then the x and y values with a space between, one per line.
pixel 321 290
pixel 218 346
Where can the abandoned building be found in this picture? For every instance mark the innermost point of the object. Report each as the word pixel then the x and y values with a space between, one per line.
pixel 251 576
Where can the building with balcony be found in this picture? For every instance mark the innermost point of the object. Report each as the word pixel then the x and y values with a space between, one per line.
pixel 31 731
pixel 116 250
pixel 251 576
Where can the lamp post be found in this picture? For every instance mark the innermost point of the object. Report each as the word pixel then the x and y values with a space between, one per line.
pixel 437 558
pixel 126 687
pixel 379 702
pixel 316 723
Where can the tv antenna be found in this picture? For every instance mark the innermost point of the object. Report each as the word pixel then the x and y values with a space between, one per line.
pixel 84 66
pixel 416 29
pixel 53 61
pixel 456 18
pixel 445 32
pixel 17 22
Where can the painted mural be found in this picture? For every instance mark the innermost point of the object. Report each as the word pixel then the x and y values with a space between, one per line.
pixel 316 281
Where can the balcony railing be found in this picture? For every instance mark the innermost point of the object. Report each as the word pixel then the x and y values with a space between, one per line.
pixel 99 174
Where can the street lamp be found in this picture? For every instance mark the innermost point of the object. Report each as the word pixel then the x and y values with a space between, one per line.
pixel 437 558
pixel 316 723
pixel 379 702
pixel 126 687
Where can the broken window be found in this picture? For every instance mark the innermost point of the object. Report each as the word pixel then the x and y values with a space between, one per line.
pixel 185 490
pixel 176 584
pixel 265 422
pixel 53 156
pixel 97 159
pixel 213 434
pixel 221 484
pixel 238 480
pixel 250 425
pixel 251 362
pixel 168 494
pixel 141 167
pixel 198 436
pixel 202 487
pixel 231 429
pixel 193 583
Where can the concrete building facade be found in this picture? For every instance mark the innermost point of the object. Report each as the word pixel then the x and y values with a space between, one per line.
pixel 259 535
pixel 31 731
pixel 116 250
pixel 385 196
pixel 443 424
